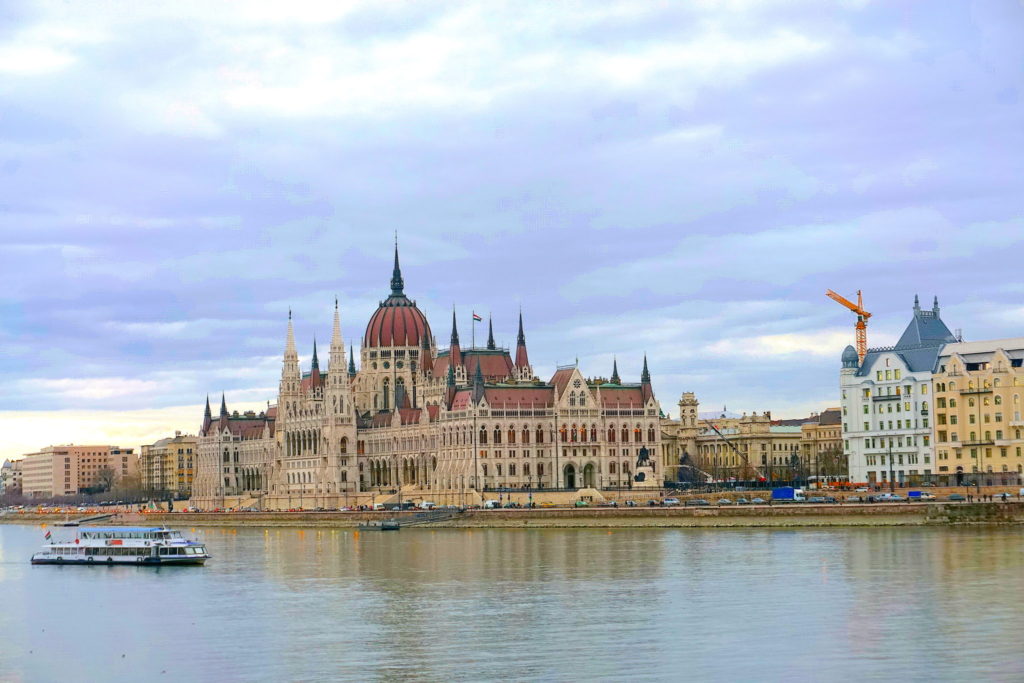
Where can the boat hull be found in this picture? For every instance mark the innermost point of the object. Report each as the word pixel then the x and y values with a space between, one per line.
pixel 133 561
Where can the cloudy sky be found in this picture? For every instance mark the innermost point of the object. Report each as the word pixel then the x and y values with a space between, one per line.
pixel 684 179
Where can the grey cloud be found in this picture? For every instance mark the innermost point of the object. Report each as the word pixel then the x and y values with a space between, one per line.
pixel 669 212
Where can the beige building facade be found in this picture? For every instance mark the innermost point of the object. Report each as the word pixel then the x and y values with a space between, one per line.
pixel 10 478
pixel 701 447
pixel 70 470
pixel 979 388
pixel 821 445
pixel 167 467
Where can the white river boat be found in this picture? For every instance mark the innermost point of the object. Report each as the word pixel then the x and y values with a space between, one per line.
pixel 141 546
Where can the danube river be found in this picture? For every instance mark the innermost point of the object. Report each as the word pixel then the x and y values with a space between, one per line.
pixel 558 605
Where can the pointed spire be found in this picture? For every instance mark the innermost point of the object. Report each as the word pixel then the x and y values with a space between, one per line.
pixel 315 365
pixel 522 360
pixel 207 418
pixel 351 362
pixel 289 346
pixel 645 376
pixel 397 284
pixel 917 304
pixel 615 371
pixel 490 334
pixel 454 352
pixel 935 306
pixel 478 383
pixel 223 405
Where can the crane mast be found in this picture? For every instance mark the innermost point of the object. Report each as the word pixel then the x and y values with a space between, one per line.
pixel 861 326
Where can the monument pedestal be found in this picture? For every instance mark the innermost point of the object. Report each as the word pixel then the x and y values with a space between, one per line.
pixel 645 479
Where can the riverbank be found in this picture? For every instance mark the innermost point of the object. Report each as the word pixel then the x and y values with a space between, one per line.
pixel 774 516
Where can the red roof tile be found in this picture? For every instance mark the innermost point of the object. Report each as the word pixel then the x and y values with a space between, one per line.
pixel 397 322
pixel 514 397
pixel 561 379
pixel 622 396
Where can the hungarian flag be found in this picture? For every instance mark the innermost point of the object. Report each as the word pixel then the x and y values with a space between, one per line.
pixel 477 318
pixel 48 536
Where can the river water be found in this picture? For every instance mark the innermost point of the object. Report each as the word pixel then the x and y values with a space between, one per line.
pixel 553 605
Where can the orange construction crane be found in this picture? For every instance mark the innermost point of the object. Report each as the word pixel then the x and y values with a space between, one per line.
pixel 862 320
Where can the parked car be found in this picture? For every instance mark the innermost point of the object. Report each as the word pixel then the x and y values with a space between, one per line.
pixel 742 501
pixel 697 502
pixel 491 505
pixel 956 497
pixel 757 501
pixel 817 499
pixel 670 501
pixel 886 498
pixel 631 503
pixel 725 501
pixel 581 504
pixel 861 489
pixel 831 499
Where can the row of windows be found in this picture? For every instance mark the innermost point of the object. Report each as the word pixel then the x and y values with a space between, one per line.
pixel 973 436
pixel 896 459
pixel 900 424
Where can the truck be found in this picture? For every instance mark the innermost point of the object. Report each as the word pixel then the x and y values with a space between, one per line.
pixel 788 494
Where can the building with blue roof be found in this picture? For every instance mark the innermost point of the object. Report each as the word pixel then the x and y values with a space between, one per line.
pixel 886 401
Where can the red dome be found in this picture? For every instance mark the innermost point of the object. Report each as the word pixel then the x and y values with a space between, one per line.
pixel 397 322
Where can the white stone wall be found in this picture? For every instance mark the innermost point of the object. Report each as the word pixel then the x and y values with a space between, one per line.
pixel 883 411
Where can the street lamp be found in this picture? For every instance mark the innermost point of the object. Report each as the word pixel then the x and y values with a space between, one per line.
pixel 892 474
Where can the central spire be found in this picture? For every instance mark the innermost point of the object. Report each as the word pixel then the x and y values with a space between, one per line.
pixel 491 346
pixel 397 283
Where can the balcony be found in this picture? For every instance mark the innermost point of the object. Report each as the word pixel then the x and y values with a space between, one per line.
pixel 897 397
pixel 985 390
pixel 986 442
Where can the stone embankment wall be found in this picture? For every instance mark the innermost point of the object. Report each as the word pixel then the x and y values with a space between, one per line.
pixel 785 516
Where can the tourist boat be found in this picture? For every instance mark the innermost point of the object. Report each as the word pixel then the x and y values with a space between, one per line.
pixel 148 546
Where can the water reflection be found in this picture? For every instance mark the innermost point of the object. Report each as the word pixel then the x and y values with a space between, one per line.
pixel 553 604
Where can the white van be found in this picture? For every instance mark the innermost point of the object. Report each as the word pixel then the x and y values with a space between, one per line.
pixel 378 506
pixel 426 505
pixel 491 504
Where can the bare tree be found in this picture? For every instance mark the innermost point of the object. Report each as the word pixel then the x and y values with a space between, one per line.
pixel 105 479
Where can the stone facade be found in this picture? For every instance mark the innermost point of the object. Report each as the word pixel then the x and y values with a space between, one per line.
pixel 431 422
pixel 821 445
pixel 10 478
pixel 167 467
pixel 702 447
pixel 887 429
pixel 978 426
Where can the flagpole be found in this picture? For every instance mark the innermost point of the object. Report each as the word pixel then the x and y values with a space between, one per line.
pixel 472 344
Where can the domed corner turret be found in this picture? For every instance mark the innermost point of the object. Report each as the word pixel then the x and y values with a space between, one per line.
pixel 850 358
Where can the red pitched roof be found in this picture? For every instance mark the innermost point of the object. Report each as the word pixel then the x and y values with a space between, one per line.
pixel 561 379
pixel 525 396
pixel 410 415
pixel 622 396
pixel 462 399
pixel 493 365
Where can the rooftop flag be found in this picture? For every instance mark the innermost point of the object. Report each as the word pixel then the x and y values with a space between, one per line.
pixel 477 318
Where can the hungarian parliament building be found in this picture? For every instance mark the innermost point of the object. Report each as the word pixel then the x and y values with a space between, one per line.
pixel 420 421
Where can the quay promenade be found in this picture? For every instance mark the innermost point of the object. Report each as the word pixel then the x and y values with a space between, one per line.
pixel 724 516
